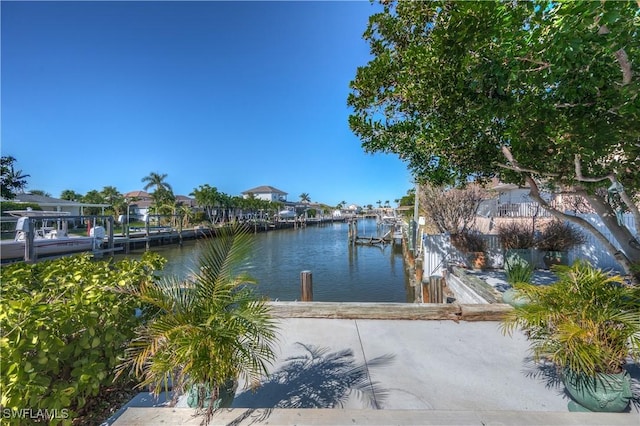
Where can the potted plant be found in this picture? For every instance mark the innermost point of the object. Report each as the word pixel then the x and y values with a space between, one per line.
pixel 517 270
pixel 555 241
pixel 517 239
pixel 587 324
pixel 206 331
pixel 474 245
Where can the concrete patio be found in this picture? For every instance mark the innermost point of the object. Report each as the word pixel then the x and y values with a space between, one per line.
pixel 375 371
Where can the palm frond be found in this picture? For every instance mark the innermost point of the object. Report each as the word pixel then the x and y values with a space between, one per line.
pixel 206 329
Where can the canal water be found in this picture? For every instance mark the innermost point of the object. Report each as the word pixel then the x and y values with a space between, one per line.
pixel 341 272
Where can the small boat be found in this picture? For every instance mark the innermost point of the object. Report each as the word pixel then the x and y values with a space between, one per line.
pixel 287 214
pixel 47 240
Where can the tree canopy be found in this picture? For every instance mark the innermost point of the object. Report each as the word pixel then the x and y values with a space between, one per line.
pixel 12 180
pixel 539 92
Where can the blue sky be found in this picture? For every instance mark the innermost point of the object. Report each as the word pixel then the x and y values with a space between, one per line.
pixel 230 94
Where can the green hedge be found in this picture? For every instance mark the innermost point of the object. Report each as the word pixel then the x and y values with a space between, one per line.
pixel 64 326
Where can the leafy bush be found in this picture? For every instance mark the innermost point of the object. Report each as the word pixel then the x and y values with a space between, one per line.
pixel 515 236
pixel 559 236
pixel 210 329
pixel 65 325
pixel 518 270
pixel 588 321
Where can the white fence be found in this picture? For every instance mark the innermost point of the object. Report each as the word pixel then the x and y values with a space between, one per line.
pixel 438 252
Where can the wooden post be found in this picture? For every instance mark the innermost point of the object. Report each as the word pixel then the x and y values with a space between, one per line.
pixel 436 289
pixel 306 286
pixel 419 270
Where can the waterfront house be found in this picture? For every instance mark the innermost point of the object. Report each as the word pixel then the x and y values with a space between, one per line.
pixel 140 202
pixel 265 192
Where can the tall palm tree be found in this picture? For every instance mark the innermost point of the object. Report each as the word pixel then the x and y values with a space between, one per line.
pixel 304 198
pixel 156 181
pixel 162 191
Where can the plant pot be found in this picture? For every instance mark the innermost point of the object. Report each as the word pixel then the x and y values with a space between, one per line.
pixel 198 393
pixel 555 258
pixel 513 298
pixel 605 392
pixel 477 260
pixel 526 254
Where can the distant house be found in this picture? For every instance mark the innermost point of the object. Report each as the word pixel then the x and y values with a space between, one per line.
pixel 140 202
pixel 73 208
pixel 268 193
pixel 515 201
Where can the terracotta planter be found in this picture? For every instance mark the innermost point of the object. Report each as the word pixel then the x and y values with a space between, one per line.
pixel 606 392
pixel 477 260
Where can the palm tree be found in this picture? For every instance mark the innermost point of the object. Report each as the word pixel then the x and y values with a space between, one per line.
pixel 156 181
pixel 112 196
pixel 162 192
pixel 70 195
pixel 12 180
pixel 208 329
pixel 39 192
pixel 304 198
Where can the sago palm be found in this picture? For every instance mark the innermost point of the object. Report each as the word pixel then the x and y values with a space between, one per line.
pixel 205 330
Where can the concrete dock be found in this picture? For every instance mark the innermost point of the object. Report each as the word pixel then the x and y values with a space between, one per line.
pixel 405 372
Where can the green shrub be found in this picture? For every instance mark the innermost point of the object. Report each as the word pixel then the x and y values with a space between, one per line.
pixel 518 270
pixel 65 325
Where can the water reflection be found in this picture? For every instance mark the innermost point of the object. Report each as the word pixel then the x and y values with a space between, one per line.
pixel 341 272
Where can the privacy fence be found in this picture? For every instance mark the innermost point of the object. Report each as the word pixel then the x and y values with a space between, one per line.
pixel 439 253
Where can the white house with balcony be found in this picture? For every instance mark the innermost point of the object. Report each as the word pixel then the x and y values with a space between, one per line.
pixel 265 192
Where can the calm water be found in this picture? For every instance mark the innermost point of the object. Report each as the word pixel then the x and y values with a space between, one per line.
pixel 341 272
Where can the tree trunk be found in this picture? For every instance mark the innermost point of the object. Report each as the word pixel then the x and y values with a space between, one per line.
pixel 628 243
pixel 627 256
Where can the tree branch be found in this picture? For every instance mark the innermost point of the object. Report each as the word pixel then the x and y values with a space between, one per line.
pixel 517 168
pixel 543 65
pixel 568 105
pixel 624 196
pixel 623 60
pixel 581 178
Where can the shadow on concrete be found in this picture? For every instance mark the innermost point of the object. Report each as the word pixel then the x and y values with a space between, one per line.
pixel 317 378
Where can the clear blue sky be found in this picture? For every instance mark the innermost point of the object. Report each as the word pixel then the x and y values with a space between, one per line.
pixel 230 94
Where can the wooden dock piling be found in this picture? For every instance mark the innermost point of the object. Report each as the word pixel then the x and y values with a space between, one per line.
pixel 306 286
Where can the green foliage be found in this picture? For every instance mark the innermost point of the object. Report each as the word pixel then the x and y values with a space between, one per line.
pixel 518 270
pixel 209 328
pixel 451 82
pixel 542 92
pixel 11 180
pixel 65 324
pixel 587 321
